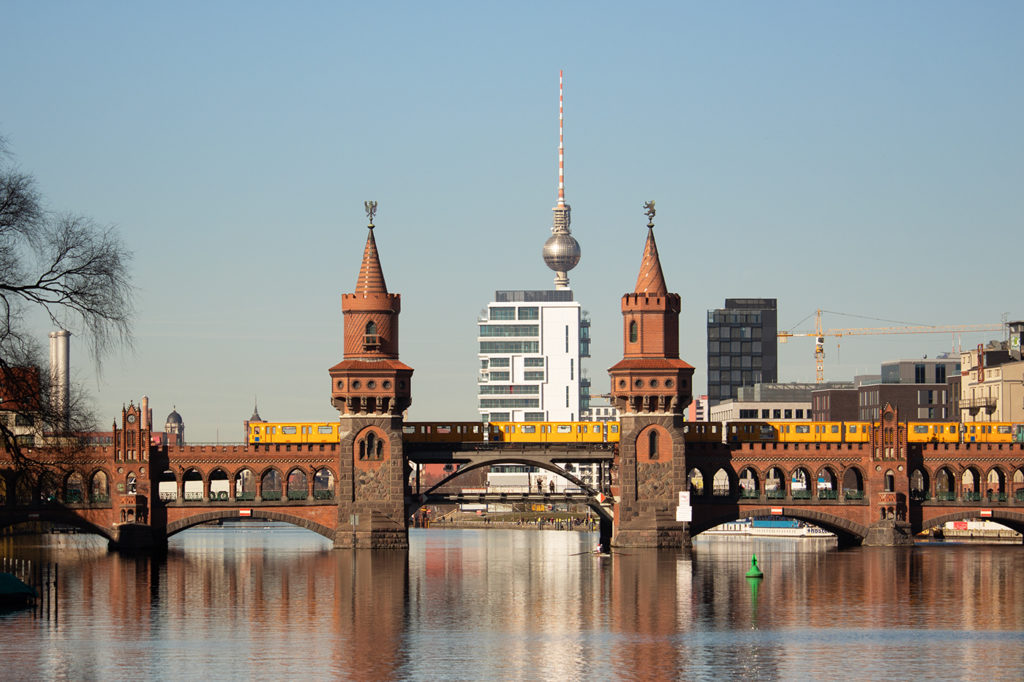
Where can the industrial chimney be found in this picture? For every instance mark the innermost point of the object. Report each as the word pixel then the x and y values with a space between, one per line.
pixel 60 378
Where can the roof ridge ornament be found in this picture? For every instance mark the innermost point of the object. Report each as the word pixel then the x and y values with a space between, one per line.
pixel 649 212
pixel 371 210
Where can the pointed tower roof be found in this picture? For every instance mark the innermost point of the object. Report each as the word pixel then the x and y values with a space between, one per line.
pixel 651 280
pixel 371 276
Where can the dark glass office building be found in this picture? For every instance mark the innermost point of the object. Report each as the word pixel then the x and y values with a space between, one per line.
pixel 742 346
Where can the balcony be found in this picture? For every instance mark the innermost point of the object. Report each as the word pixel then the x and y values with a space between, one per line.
pixel 984 402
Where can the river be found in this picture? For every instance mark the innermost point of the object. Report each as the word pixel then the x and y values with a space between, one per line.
pixel 275 602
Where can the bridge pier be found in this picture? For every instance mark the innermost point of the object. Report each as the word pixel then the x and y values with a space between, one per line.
pixel 137 537
pixel 889 533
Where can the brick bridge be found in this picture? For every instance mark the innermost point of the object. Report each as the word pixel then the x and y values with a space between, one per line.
pixel 358 491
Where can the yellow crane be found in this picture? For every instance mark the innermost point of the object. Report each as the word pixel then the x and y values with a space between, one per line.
pixel 819 335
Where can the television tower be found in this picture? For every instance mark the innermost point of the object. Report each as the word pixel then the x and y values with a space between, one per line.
pixel 561 250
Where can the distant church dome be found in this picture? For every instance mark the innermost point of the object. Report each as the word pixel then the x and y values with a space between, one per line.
pixel 561 252
pixel 174 419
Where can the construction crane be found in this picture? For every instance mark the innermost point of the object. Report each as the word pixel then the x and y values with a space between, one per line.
pixel 819 335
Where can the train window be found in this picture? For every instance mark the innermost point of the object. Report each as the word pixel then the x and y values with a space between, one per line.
pixel 835 428
pixel 564 428
pixel 326 428
pixel 529 429
pixel 615 428
pixel 256 429
pixel 952 429
pixel 405 429
pixel 476 428
pixel 510 429
pixel 290 430
pixel 920 428
pixel 852 428
pixel 444 429
pixel 803 428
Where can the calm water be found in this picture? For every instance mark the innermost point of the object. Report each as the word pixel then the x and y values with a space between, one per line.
pixel 277 602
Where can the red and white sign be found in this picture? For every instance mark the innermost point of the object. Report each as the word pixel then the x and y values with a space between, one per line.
pixel 245 512
pixel 986 513
pixel 776 511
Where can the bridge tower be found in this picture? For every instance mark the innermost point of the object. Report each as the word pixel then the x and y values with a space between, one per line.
pixel 651 386
pixel 888 473
pixel 370 388
pixel 136 523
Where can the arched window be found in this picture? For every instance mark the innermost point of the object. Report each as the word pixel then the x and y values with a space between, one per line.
pixel 890 481
pixel 632 332
pixel 370 339
pixel 131 484
pixel 652 444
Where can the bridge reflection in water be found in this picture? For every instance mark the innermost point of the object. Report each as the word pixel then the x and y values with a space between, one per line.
pixel 265 602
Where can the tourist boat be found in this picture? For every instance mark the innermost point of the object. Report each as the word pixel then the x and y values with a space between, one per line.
pixel 14 593
pixel 772 528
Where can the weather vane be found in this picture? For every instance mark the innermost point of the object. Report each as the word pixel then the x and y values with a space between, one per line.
pixel 371 210
pixel 649 210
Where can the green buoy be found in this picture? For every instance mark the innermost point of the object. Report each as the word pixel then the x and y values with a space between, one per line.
pixel 754 571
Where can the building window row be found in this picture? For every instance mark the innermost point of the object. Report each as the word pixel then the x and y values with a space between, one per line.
pixel 499 376
pixel 503 313
pixel 487 347
pixel 533 376
pixel 509 330
pixel 509 403
pixel 500 362
pixel 533 362
pixel 734 333
pixel 723 317
pixel 511 389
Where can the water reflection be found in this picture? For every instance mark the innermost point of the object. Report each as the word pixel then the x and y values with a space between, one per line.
pixel 266 602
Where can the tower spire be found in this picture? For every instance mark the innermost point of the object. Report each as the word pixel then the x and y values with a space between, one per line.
pixel 561 250
pixel 561 147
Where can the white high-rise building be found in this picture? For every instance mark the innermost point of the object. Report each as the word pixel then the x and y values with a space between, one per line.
pixel 531 343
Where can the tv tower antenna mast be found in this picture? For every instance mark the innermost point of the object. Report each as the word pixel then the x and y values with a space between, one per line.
pixel 561 250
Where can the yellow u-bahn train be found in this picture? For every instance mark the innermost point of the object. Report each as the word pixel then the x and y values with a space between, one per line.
pixel 608 432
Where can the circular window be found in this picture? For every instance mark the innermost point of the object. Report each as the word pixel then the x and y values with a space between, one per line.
pixel 654 382
pixel 355 384
pixel 622 383
pixel 341 384
pixel 668 383
pixel 142 470
pixel 638 383
pixel 878 467
pixel 387 384
pixel 371 384
pixel 120 470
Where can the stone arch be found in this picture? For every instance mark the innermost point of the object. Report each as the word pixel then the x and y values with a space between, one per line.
pixel 853 484
pixel 167 485
pixel 74 488
pixel 1018 484
pixel 827 485
pixel 970 483
pixel 270 484
pixel 54 514
pixel 749 483
pixel 218 484
pixel 995 484
pixel 695 482
pixel 945 484
pixel 919 485
pixel 99 487
pixel 24 489
pixel 192 482
pixel 297 484
pixel 653 444
pixel 244 484
pixel 800 484
pixel 323 484
pixel 721 483
pixel 775 483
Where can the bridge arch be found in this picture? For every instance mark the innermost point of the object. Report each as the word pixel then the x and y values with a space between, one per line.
pixel 180 525
pixel 695 479
pixel 271 483
pixel 1010 519
pixel 848 532
pixel 99 486
pixel 51 513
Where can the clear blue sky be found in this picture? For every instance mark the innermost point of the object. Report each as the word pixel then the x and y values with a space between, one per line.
pixel 859 157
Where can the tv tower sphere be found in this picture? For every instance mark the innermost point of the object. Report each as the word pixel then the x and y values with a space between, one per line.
pixel 561 252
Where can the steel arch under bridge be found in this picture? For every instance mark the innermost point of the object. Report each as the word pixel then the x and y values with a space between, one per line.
pixel 471 456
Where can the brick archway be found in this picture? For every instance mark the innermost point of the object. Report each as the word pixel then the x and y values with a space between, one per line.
pixel 265 514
